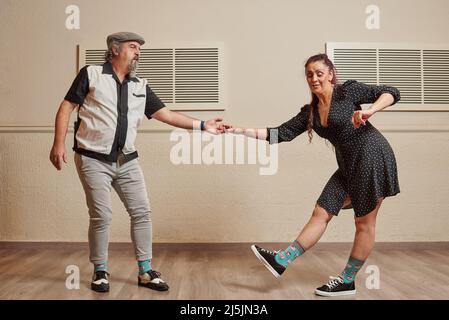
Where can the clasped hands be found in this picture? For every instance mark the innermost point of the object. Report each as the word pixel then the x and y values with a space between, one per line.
pixel 216 126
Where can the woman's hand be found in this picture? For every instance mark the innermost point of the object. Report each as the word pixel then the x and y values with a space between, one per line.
pixel 360 117
pixel 235 130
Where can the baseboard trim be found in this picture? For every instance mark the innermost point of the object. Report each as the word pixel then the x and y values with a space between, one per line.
pixel 428 245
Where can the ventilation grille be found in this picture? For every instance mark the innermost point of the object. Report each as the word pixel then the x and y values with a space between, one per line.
pixel 422 75
pixel 177 75
pixel 402 69
pixel 156 65
pixel 356 64
pixel 436 76
pixel 196 75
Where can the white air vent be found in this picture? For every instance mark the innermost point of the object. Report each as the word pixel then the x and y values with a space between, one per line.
pixel 156 65
pixel 187 78
pixel 196 75
pixel 421 73
pixel 436 76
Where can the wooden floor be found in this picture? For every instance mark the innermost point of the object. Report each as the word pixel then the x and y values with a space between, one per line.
pixel 37 271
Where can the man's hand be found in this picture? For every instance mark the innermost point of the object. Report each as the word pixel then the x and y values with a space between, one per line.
pixel 58 154
pixel 215 126
pixel 360 117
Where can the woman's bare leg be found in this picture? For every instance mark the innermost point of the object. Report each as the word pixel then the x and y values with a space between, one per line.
pixel 315 227
pixel 365 234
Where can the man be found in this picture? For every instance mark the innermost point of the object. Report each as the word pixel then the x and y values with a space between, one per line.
pixel 112 101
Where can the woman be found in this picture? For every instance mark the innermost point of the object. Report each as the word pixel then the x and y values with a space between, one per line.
pixel 366 172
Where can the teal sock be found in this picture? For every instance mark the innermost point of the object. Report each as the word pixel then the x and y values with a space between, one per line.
pixel 284 257
pixel 144 266
pixel 352 267
pixel 101 267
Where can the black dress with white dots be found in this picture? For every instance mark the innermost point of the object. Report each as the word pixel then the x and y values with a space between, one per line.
pixel 367 168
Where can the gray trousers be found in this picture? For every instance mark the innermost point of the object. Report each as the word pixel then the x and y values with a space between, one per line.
pixel 98 178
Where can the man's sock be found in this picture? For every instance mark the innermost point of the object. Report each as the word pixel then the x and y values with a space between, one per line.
pixel 144 266
pixel 101 266
pixel 352 267
pixel 284 257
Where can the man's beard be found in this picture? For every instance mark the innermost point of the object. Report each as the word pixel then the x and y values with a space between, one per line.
pixel 133 65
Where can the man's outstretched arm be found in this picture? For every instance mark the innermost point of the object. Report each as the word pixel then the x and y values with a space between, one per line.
pixel 214 126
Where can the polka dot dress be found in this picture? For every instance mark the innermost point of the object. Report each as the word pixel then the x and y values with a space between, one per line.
pixel 367 167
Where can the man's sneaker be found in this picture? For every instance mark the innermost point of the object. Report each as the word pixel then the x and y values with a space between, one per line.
pixel 152 280
pixel 267 257
pixel 336 287
pixel 100 282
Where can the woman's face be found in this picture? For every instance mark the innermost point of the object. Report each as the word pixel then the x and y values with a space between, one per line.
pixel 319 77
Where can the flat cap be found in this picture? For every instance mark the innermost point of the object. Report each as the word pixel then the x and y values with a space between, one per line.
pixel 123 37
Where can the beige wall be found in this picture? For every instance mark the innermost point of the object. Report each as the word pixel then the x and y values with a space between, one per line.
pixel 266 44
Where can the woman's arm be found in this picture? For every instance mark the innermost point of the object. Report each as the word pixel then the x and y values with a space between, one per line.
pixel 361 116
pixel 385 100
pixel 256 133
pixel 287 131
pixel 380 97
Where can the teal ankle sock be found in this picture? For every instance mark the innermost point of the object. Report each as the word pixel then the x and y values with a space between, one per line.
pixel 144 266
pixel 100 266
pixel 352 267
pixel 284 257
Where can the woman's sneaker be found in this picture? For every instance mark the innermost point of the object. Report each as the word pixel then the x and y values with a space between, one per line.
pixel 100 282
pixel 152 279
pixel 336 287
pixel 268 259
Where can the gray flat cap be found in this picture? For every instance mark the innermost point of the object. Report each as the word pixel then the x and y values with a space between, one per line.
pixel 123 37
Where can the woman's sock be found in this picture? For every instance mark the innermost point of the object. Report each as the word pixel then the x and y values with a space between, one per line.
pixel 284 257
pixel 352 267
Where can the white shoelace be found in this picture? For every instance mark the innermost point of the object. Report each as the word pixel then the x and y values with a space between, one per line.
pixel 335 281
pixel 268 251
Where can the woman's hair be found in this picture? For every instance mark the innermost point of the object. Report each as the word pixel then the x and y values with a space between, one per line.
pixel 314 103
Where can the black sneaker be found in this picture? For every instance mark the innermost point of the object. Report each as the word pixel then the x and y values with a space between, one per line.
pixel 267 257
pixel 100 282
pixel 336 287
pixel 152 280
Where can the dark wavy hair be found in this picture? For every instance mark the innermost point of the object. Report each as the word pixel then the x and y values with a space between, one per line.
pixel 314 103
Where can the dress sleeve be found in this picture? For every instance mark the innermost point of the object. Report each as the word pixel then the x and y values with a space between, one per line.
pixel 364 93
pixel 79 88
pixel 290 129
